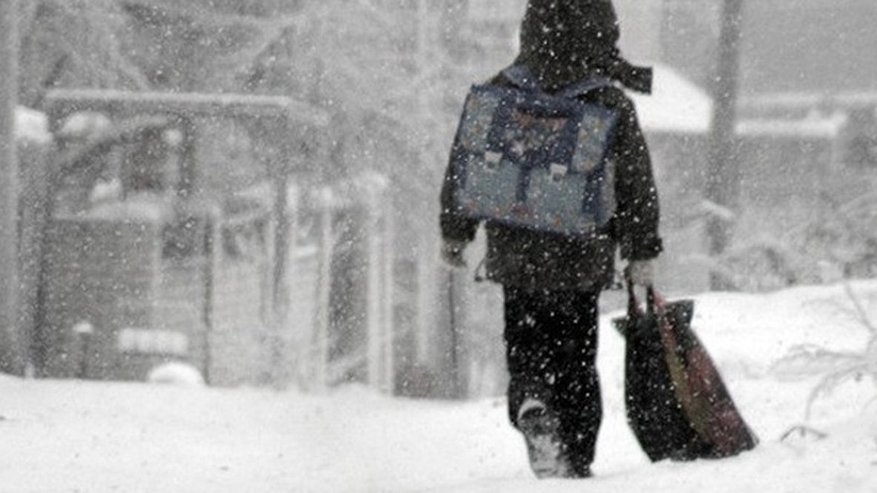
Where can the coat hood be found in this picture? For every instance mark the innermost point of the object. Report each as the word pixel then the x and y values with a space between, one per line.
pixel 563 41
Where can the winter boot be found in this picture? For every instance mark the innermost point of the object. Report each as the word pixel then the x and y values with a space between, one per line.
pixel 544 446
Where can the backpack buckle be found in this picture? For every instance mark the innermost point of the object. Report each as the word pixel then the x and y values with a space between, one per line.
pixel 557 171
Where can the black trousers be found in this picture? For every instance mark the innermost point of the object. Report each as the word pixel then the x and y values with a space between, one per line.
pixel 551 349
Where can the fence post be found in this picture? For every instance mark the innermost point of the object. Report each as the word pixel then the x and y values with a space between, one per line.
pixel 318 347
pixel 13 350
pixel 388 283
pixel 379 322
pixel 723 174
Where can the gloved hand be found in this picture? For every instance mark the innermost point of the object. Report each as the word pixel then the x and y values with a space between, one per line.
pixel 640 272
pixel 452 253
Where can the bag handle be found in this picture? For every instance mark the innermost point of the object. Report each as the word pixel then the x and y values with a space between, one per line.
pixel 655 303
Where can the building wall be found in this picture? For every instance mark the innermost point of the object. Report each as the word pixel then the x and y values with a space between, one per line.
pixel 640 22
pixel 809 45
pixel 806 45
pixel 688 37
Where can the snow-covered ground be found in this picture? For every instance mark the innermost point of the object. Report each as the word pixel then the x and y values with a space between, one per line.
pixel 64 436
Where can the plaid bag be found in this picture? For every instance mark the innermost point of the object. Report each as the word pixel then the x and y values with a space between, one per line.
pixel 677 404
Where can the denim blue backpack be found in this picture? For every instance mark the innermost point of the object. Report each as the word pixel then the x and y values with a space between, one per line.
pixel 538 161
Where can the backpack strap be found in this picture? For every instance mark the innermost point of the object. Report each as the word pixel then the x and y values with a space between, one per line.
pixel 585 86
pixel 522 77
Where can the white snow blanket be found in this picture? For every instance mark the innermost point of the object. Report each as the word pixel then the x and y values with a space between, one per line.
pixel 65 436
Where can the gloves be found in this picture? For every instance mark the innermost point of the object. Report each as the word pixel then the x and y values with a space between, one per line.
pixel 452 253
pixel 640 272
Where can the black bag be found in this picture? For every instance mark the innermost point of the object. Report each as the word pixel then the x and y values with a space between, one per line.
pixel 677 404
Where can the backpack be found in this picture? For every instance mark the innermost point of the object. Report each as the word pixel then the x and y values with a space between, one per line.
pixel 532 160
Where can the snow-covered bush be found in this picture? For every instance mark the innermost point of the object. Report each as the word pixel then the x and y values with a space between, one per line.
pixel 839 244
pixel 844 238
pixel 831 366
pixel 761 266
pixel 176 373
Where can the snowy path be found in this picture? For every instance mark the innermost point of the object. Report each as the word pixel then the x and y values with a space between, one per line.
pixel 103 437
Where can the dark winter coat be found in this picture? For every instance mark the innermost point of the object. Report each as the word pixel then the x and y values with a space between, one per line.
pixel 536 260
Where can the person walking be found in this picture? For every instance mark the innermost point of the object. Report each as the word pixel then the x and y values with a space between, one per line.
pixel 551 282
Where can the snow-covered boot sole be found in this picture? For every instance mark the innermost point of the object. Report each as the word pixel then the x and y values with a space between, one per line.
pixel 544 447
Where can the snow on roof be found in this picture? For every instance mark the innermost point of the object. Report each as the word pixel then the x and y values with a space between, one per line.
pixel 31 125
pixel 813 125
pixel 675 105
pixel 796 101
